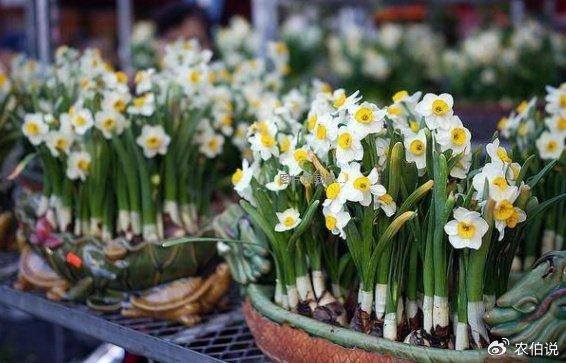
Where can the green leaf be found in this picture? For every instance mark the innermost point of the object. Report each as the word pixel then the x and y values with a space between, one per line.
pixel 534 212
pixel 388 235
pixel 524 169
pixel 415 197
pixel 532 181
pixel 259 220
pixel 304 224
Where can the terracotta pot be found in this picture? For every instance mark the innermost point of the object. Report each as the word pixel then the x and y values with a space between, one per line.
pixel 288 337
pixel 281 343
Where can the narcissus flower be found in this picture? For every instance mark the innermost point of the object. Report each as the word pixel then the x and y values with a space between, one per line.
pixel 81 120
pixel 143 105
pixel 556 100
pixel 110 123
pixel 415 147
pixel 59 142
pixel 466 229
pixel 211 144
pixel 456 138
pixel 387 204
pixel 556 124
pixel 360 188
pixel 153 140
pixel 366 119
pixel 336 221
pixel 437 110
pixel 242 178
pixel 34 128
pixel 78 165
pixel 348 146
pixel 335 196
pixel 280 182
pixel 497 153
pixel 288 219
pixel 323 135
pixel 550 145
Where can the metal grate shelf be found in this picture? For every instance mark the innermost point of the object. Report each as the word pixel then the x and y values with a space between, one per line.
pixel 222 336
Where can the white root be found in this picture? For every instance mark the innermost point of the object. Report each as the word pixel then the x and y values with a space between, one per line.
pixel 318 283
pixel 380 300
pixel 293 297
pixel 390 326
pixel 160 227
pixel 462 340
pixel 412 309
pixel 365 300
pixel 547 241
pixel 278 292
pixel 440 312
pixel 150 233
pixel 123 220
pixel 189 218
pixel 476 311
pixel 427 313
pixel 284 301
pixel 304 288
pixel 172 208
pixel 135 220
pixel 106 234
pixel 95 227
pixel 337 291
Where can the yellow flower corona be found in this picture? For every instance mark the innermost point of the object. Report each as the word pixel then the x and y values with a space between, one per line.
pixel 289 221
pixel 333 190
pixel 364 115
pixel 551 146
pixel 32 129
pixel 320 132
pixel 440 107
pixel 400 96
pixel 502 153
pixel 267 140
pixel 386 199
pixel 458 136
pixel 300 155
pixel 503 210
pixel 417 147
pixel 237 176
pixel 153 142
pixel 345 140
pixel 500 182
pixel 466 230
pixel 311 122
pixel 340 100
pixel 362 183
pixel 414 126
pixel 330 222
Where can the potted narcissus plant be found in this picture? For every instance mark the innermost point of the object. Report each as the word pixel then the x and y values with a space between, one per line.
pixel 537 139
pixel 388 233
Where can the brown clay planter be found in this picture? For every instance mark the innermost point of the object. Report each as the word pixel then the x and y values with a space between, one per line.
pixel 288 337
pixel 282 343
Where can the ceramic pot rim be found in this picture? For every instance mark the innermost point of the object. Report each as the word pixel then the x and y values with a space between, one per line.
pixel 258 296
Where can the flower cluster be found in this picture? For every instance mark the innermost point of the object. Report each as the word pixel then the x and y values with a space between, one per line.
pixel 143 162
pixel 538 138
pixel 365 195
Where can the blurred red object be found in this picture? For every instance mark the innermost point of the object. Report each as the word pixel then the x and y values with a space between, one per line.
pixel 416 12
